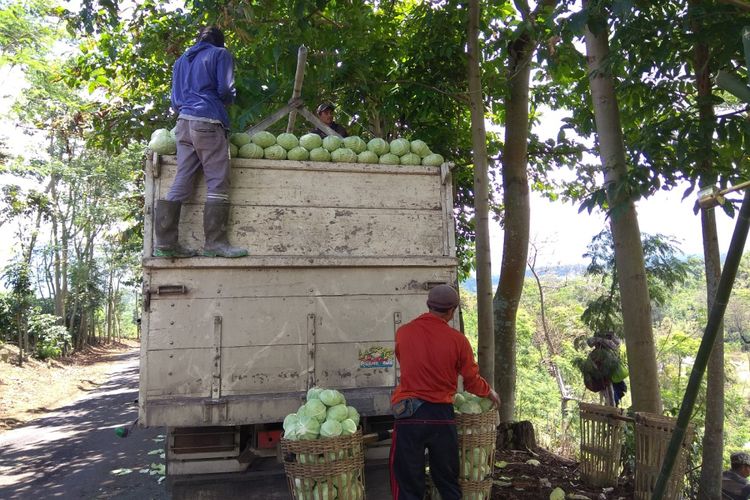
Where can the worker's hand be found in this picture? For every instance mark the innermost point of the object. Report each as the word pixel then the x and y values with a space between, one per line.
pixel 494 397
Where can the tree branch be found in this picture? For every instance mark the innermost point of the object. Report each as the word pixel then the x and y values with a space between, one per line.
pixel 742 4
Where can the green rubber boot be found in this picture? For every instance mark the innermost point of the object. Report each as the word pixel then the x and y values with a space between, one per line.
pixel 215 217
pixel 166 222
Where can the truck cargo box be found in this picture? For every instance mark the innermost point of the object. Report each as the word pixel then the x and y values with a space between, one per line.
pixel 340 256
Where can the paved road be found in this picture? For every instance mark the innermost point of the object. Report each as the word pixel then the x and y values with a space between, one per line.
pixel 74 453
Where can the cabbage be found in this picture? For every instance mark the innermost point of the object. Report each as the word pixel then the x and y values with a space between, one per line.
pixel 389 159
pixel 470 407
pixel 315 408
pixel 344 155
pixel 355 143
pixel 299 153
pixel 250 150
pixel 303 488
pixel 458 399
pixel 332 397
pixel 485 404
pixel 313 393
pixel 378 146
pixel 233 150
pixel 419 148
pixel 274 152
pixel 348 427
pixel 291 422
pixel 263 139
pixel 477 457
pixel 353 415
pixel 173 132
pixel 321 491
pixel 400 147
pixel 311 141
pixel 367 157
pixel 337 412
pixel 320 154
pixel 302 412
pixel 410 159
pixel 557 494
pixel 239 139
pixel 330 428
pixel 332 143
pixel 433 160
pixel 287 141
pixel 162 142
pixel 308 428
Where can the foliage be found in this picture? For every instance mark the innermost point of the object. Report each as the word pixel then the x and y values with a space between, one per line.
pixel 50 337
pixel 664 270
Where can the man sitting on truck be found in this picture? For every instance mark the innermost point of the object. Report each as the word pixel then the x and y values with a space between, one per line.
pixel 202 88
pixel 431 356
pixel 325 113
pixel 734 485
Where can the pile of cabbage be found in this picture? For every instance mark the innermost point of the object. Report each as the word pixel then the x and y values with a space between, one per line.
pixel 325 415
pixel 466 402
pixel 351 149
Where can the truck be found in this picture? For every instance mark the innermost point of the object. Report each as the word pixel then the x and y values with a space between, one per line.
pixel 341 254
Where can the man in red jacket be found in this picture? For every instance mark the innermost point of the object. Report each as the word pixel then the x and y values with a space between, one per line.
pixel 431 356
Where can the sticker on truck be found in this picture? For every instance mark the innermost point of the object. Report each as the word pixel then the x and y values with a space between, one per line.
pixel 376 356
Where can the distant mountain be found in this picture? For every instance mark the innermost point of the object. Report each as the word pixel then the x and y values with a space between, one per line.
pixel 470 284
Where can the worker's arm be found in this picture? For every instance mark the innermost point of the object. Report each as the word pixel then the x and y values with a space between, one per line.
pixel 473 382
pixel 225 78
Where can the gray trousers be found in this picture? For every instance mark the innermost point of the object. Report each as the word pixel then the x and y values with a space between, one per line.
pixel 201 145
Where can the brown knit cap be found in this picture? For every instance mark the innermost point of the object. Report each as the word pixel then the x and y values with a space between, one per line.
pixel 740 458
pixel 442 297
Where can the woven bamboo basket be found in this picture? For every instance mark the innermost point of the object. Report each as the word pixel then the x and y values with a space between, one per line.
pixel 325 468
pixel 652 436
pixel 601 444
pixel 477 435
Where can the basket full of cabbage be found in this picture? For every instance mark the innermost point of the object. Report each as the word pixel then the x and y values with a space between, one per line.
pixel 476 424
pixel 323 449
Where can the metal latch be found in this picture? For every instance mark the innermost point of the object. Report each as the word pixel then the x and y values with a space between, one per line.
pixel 427 285
pixel 155 166
pixel 221 413
pixel 171 290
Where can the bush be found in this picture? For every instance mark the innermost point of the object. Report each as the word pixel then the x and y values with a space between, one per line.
pixel 49 336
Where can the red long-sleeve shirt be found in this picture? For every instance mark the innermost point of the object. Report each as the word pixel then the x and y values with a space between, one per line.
pixel 431 355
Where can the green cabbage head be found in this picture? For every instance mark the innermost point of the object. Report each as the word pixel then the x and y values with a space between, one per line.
pixel 420 148
pixel 162 142
pixel 400 147
pixel 355 143
pixel 299 153
pixel 291 422
pixel 311 141
pixel 330 428
pixel 353 415
pixel 233 150
pixel 315 408
pixel 367 157
pixel 264 139
pixel 344 155
pixel 378 146
pixel 337 412
pixel 433 160
pixel 348 427
pixel 320 154
pixel 332 143
pixel 332 397
pixel 274 152
pixel 239 139
pixel 410 159
pixel 389 159
pixel 251 150
pixel 287 141
pixel 314 393
pixel 308 428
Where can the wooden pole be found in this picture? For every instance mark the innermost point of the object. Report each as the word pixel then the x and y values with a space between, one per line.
pixel 298 78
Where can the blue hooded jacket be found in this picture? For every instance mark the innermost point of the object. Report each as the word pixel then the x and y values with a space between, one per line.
pixel 203 82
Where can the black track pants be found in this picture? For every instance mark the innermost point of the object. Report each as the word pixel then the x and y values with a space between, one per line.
pixel 432 428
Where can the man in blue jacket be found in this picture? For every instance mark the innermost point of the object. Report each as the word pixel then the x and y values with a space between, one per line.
pixel 202 88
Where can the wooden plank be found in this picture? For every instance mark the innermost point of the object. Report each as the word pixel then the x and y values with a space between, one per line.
pixel 323 231
pixel 293 188
pixel 266 369
pixel 258 283
pixel 187 323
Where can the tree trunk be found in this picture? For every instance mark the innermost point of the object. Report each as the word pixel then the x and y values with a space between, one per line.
pixel 709 486
pixel 631 271
pixel 486 341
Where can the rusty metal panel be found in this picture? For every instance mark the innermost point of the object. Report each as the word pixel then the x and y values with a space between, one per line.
pixel 246 321
pixel 316 231
pixel 320 187
pixel 264 369
pixel 185 372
